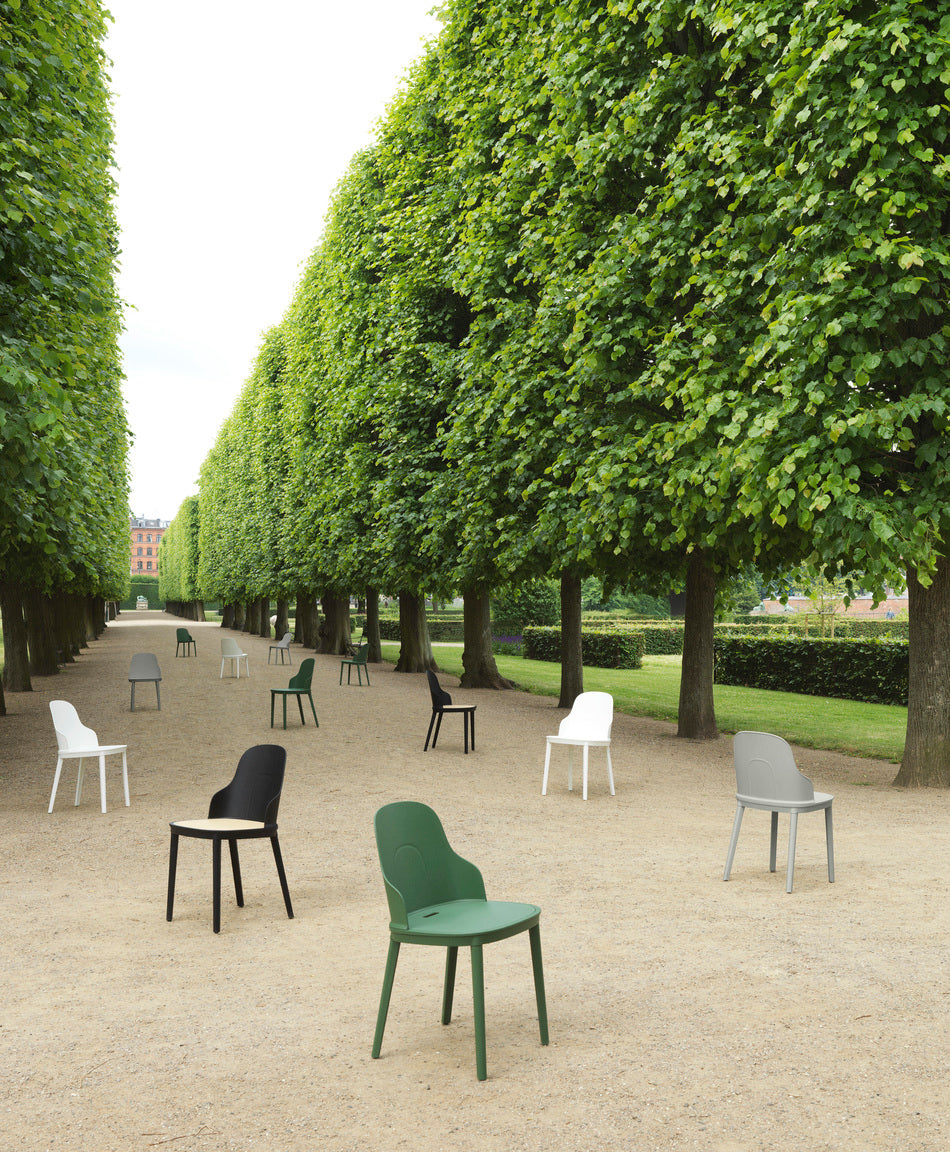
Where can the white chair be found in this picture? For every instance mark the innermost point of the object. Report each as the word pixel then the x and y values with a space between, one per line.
pixel 281 646
pixel 231 650
pixel 766 778
pixel 76 742
pixel 587 725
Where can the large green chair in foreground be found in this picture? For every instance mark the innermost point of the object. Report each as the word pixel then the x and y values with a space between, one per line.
pixel 299 686
pixel 437 898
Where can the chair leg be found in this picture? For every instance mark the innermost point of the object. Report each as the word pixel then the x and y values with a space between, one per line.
pixel 478 999
pixel 282 876
pixel 586 758
pixel 792 834
pixel 534 935
pixel 570 767
pixel 438 728
pixel 216 883
pixel 313 710
pixel 429 733
pixel 79 782
pixel 736 824
pixel 341 672
pixel 236 873
pixel 471 716
pixel 158 695
pixel 283 697
pixel 59 768
pixel 300 706
pixel 272 709
pixel 448 989
pixel 547 766
pixel 391 961
pixel 125 778
pixel 610 773
pixel 172 869
pixel 465 716
pixel 102 780
pixel 773 842
pixel 830 845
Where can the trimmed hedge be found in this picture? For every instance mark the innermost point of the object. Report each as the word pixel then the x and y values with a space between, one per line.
pixel 874 671
pixel 453 630
pixel 613 649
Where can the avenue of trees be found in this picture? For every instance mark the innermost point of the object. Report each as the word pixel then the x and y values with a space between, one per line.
pixel 64 527
pixel 643 290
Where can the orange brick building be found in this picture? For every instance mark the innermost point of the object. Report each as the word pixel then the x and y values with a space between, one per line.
pixel 145 536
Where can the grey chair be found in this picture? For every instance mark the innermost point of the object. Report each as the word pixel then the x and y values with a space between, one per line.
pixel 766 778
pixel 283 647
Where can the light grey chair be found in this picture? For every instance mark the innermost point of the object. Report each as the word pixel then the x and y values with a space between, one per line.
pixel 766 778
pixel 282 646
pixel 231 650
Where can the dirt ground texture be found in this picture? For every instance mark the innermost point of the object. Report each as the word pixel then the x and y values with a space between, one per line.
pixel 685 1013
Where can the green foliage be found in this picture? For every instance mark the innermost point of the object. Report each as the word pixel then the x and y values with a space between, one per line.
pixel 870 670
pixel 600 649
pixel 146 586
pixel 63 435
pixel 179 553
pixel 532 602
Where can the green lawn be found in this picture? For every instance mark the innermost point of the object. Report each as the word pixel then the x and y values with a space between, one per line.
pixel 875 730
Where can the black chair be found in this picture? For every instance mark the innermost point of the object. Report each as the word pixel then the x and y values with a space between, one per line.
pixel 442 703
pixel 245 810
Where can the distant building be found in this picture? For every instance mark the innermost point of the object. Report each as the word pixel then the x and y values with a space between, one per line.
pixel 145 536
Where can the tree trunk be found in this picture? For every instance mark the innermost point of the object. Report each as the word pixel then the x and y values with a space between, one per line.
pixel 16 656
pixel 478 660
pixel 40 633
pixel 572 658
pixel 239 616
pixel 252 616
pixel 415 649
pixel 335 630
pixel 282 627
pixel 227 615
pixel 375 649
pixel 697 711
pixel 926 762
pixel 265 631
pixel 198 607
pixel 3 703
pixel 308 621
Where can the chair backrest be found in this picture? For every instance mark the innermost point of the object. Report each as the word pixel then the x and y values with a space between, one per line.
pixel 70 731
pixel 418 864
pixel 254 793
pixel 765 769
pixel 284 641
pixel 182 635
pixel 231 647
pixel 439 695
pixel 592 716
pixel 361 654
pixel 301 680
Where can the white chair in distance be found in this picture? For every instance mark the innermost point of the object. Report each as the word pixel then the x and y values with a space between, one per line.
pixel 77 742
pixel 766 778
pixel 587 725
pixel 231 650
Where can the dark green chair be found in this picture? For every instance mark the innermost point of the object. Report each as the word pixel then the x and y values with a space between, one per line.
pixel 358 662
pixel 437 898
pixel 184 638
pixel 299 686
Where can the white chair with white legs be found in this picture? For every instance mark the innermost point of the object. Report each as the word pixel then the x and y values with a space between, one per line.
pixel 766 778
pixel 231 650
pixel 588 725
pixel 77 742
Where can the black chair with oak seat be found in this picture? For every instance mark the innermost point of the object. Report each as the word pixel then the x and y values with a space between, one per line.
pixel 441 704
pixel 244 810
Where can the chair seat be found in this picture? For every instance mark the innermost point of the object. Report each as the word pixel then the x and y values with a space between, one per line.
pixel 218 825
pixel 104 749
pixel 821 800
pixel 467 922
pixel 578 741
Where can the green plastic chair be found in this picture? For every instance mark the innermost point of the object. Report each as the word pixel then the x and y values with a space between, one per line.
pixel 186 640
pixel 436 897
pixel 299 686
pixel 358 662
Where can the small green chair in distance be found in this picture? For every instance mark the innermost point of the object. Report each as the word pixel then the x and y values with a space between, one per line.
pixel 438 898
pixel 299 686
pixel 186 640
pixel 358 662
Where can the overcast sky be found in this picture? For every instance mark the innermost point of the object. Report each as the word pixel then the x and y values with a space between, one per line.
pixel 234 123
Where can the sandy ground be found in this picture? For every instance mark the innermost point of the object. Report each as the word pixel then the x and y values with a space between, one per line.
pixel 685 1013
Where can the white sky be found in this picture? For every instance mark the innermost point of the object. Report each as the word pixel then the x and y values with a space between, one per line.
pixel 234 122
